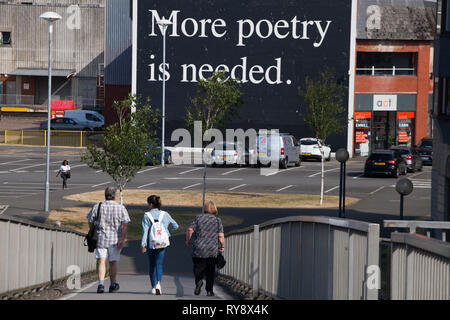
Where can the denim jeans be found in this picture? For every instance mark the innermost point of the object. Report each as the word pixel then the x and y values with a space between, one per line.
pixel 156 259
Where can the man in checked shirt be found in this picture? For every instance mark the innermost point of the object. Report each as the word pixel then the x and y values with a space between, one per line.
pixel 112 232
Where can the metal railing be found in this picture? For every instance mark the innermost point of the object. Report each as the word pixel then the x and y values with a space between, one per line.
pixel 33 254
pixel 420 268
pixel 304 258
pixel 394 71
pixel 61 138
pixel 413 225
pixel 16 100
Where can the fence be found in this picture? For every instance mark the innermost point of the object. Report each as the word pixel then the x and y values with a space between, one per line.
pixel 305 258
pixel 60 138
pixel 32 254
pixel 437 226
pixel 420 268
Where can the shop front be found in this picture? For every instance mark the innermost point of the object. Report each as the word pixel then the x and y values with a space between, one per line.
pixel 383 126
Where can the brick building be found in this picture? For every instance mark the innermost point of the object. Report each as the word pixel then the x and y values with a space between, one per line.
pixel 393 82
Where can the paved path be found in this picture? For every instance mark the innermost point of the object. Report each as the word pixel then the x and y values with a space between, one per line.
pixel 136 287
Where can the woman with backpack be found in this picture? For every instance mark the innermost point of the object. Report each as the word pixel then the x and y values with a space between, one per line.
pixel 155 239
pixel 207 238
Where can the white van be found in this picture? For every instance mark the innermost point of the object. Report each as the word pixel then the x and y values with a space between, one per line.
pixel 91 119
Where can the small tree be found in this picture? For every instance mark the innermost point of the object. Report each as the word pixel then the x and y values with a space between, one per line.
pixel 127 144
pixel 216 104
pixel 325 113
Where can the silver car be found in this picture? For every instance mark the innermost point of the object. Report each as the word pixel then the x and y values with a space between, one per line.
pixel 61 123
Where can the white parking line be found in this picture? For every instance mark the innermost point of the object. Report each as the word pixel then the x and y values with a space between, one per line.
pixel 329 190
pixel 15 161
pixel 273 172
pixel 284 188
pixel 358 176
pixel 32 166
pixel 197 178
pixel 4 209
pixel 237 187
pixel 320 172
pixel 191 186
pixel 98 171
pixel 232 171
pixel 101 184
pixel 375 191
pixel 195 169
pixel 145 185
pixel 145 170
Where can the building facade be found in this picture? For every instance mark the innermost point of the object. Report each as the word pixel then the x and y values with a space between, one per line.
pixel 440 191
pixel 394 65
pixel 78 46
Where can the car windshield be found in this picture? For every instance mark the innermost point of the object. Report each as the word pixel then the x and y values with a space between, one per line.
pixel 308 142
pixel 381 156
pixel 426 144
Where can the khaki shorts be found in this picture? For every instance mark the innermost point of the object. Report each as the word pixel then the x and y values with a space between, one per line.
pixel 112 253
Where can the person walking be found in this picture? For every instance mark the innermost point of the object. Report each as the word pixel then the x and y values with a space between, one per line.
pixel 205 233
pixel 64 170
pixel 155 224
pixel 112 232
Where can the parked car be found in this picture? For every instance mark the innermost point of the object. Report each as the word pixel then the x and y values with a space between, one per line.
pixel 62 123
pixel 413 160
pixel 289 152
pixel 154 158
pixel 310 148
pixel 228 153
pixel 384 162
pixel 91 119
pixel 425 149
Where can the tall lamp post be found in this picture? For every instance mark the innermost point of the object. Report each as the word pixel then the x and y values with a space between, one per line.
pixel 50 17
pixel 342 156
pixel 163 24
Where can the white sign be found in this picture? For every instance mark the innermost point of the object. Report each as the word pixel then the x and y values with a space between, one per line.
pixel 384 102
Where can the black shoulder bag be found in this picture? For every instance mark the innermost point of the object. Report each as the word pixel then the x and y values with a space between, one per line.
pixel 90 240
pixel 220 262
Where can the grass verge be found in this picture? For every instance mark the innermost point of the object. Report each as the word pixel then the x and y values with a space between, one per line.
pixel 192 198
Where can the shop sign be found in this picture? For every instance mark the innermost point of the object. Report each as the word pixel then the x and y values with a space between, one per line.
pixel 384 102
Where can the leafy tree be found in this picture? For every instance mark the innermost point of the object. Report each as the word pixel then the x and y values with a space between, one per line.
pixel 216 103
pixel 128 143
pixel 325 112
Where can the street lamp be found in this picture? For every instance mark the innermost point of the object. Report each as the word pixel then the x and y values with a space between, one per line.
pixel 404 187
pixel 50 17
pixel 342 156
pixel 163 24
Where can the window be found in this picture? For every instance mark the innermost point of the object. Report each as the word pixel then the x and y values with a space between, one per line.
pixel 386 63
pixel 5 37
pixel 91 117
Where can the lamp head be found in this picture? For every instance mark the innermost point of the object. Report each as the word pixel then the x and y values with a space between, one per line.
pixel 50 16
pixel 164 22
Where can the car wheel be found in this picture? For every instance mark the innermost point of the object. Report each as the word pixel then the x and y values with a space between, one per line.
pixel 396 173
pixel 329 157
pixel 298 163
pixel 284 163
pixel 214 164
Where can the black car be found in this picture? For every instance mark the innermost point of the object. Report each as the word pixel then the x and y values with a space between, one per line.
pixel 425 149
pixel 384 162
pixel 412 158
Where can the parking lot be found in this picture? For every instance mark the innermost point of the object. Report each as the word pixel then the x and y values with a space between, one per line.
pixel 22 177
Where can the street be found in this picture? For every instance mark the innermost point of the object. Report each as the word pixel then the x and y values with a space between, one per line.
pixel 22 179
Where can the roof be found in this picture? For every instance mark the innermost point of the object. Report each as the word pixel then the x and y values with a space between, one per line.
pixel 41 72
pixel 396 20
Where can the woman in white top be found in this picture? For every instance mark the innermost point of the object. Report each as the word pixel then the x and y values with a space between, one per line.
pixel 64 170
